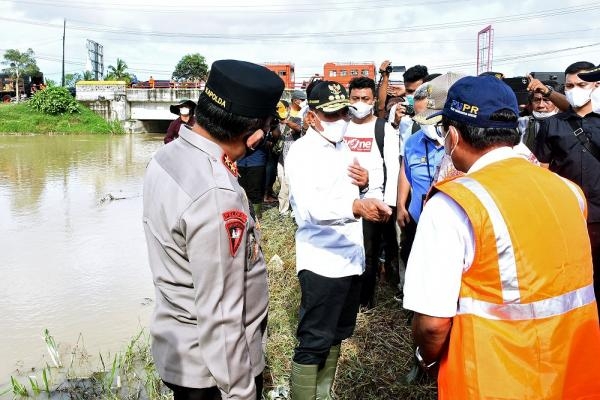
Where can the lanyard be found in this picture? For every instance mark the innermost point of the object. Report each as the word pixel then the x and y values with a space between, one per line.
pixel 427 159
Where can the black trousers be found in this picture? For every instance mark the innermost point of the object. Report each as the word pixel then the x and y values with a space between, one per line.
pixel 391 247
pixel 328 310
pixel 271 173
pixel 594 232
pixel 408 237
pixel 211 393
pixel 378 236
pixel 252 179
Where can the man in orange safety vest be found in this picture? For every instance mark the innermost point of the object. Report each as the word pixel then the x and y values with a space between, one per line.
pixel 504 306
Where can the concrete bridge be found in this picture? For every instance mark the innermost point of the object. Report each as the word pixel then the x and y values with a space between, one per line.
pixel 138 110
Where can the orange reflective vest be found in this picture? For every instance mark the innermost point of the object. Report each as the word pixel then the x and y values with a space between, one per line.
pixel 526 324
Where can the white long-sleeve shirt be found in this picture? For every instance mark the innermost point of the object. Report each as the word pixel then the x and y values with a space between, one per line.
pixel 329 239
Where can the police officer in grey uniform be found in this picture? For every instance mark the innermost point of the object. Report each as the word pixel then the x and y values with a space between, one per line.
pixel 208 327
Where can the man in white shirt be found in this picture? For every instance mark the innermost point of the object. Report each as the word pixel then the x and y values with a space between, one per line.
pixel 324 193
pixel 375 145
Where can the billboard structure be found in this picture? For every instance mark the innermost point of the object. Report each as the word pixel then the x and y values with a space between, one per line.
pixel 96 59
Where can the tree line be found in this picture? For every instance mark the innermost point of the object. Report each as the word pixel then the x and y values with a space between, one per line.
pixel 191 67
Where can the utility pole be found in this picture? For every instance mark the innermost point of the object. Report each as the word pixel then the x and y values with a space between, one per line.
pixel 63 56
pixel 16 67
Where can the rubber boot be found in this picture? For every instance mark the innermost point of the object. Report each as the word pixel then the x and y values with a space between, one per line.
pixel 326 375
pixel 257 211
pixel 303 382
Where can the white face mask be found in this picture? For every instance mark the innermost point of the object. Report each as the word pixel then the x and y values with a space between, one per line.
pixel 595 97
pixel 543 115
pixel 184 111
pixel 303 104
pixel 361 110
pixel 578 97
pixel 431 133
pixel 334 131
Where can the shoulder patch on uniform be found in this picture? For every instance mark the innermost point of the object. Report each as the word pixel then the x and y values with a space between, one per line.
pixel 230 164
pixel 235 225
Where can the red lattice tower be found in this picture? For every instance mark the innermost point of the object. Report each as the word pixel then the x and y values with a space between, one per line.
pixel 485 49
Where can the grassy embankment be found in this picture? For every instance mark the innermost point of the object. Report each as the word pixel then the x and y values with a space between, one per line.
pixel 21 119
pixel 372 365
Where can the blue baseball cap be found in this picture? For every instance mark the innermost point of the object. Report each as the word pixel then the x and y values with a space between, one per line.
pixel 473 99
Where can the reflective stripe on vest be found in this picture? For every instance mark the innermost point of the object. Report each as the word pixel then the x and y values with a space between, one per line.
pixel 512 308
pixel 506 253
pixel 538 309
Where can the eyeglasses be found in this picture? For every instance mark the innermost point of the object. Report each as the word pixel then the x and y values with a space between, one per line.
pixel 439 130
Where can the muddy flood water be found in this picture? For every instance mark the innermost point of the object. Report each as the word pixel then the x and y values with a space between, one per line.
pixel 72 254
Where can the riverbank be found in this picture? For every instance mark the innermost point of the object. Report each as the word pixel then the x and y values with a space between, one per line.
pixel 373 363
pixel 21 119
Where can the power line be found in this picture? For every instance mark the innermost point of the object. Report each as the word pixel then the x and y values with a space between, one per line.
pixel 243 8
pixel 323 35
pixel 519 57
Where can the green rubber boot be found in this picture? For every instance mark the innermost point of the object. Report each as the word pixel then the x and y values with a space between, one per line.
pixel 257 211
pixel 326 375
pixel 303 382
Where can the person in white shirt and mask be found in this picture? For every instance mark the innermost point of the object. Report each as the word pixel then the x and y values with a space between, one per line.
pixel 325 180
pixel 375 144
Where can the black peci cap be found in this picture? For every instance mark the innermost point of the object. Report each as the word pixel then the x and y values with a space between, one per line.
pixel 243 88
pixel 329 97
pixel 590 76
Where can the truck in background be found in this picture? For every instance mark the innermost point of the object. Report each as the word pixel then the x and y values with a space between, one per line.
pixel 27 85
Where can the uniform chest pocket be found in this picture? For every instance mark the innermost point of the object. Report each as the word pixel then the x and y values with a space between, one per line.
pixel 417 162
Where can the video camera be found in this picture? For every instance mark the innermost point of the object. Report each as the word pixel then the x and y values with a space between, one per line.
pixel 519 84
pixel 395 73
pixel 519 87
pixel 395 68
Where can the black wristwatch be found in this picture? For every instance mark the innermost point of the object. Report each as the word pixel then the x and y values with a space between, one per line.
pixel 550 90
pixel 426 366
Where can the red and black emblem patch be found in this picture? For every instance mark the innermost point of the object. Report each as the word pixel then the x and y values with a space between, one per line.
pixel 230 164
pixel 235 225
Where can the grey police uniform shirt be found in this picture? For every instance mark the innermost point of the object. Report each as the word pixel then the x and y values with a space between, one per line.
pixel 209 272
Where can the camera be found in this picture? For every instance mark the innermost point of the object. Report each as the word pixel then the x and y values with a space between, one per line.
pixel 409 105
pixel 519 87
pixel 395 68
pixel 409 109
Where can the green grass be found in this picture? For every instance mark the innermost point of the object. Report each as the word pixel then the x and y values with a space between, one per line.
pixel 21 119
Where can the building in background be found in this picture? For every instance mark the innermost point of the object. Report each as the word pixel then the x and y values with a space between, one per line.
pixel 343 72
pixel 285 71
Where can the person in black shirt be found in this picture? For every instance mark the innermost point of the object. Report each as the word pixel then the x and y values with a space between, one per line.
pixel 557 146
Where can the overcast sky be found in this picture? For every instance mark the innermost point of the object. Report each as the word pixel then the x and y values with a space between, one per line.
pixel 151 36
